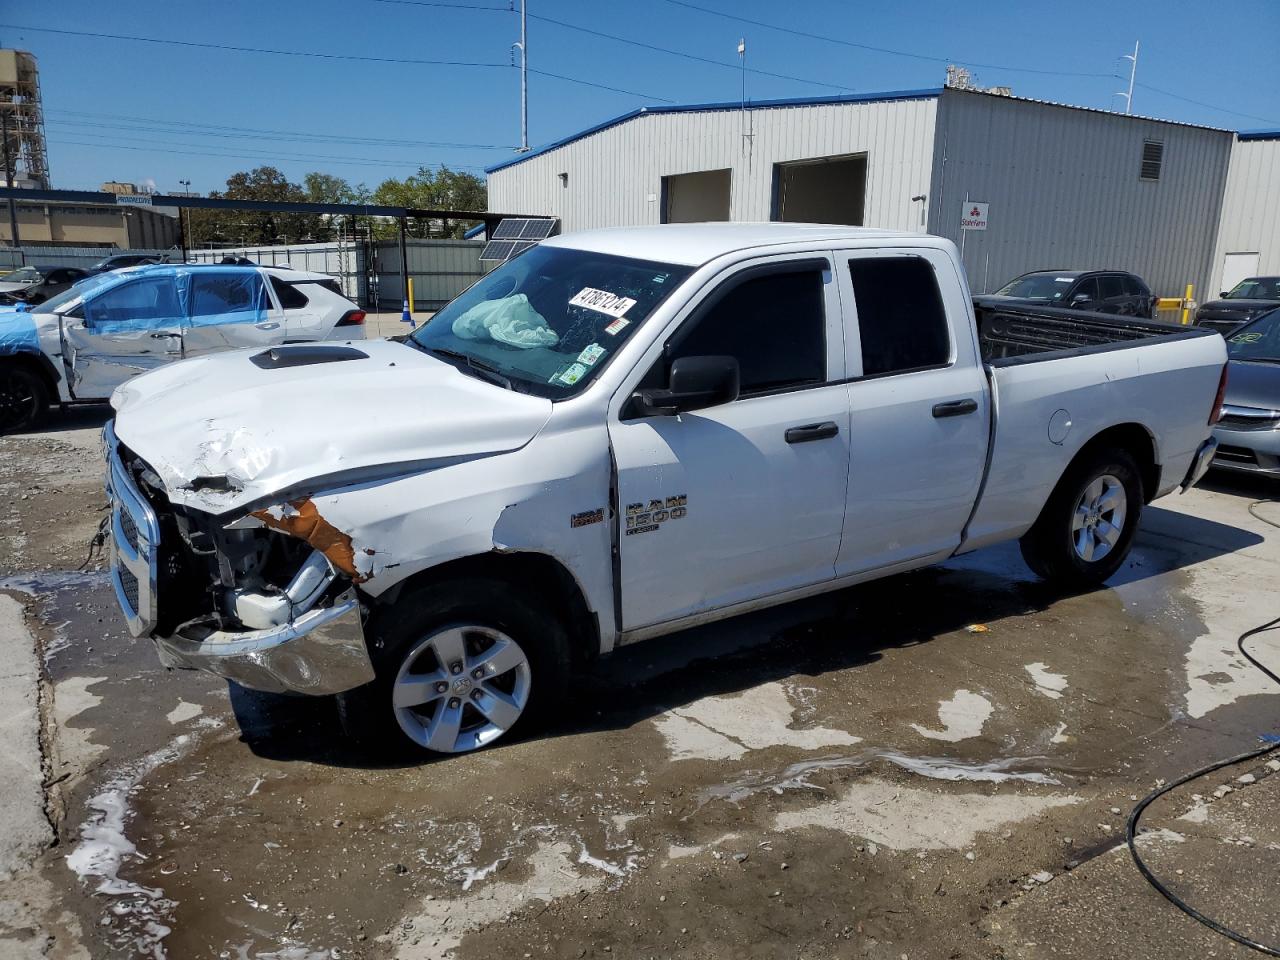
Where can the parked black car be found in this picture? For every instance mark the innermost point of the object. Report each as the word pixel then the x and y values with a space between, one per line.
pixel 121 260
pixel 1249 298
pixel 1102 291
pixel 36 284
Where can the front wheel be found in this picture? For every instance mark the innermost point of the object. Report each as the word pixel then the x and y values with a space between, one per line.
pixel 458 665
pixel 1085 530
pixel 23 398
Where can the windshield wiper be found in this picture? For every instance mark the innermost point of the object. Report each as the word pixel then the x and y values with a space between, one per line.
pixel 479 367
pixel 1256 359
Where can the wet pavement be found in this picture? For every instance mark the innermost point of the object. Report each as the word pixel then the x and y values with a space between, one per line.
pixel 935 765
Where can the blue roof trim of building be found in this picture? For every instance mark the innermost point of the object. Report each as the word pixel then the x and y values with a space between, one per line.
pixel 1259 135
pixel 696 107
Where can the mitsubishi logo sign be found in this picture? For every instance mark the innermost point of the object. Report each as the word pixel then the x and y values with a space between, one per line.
pixel 973 216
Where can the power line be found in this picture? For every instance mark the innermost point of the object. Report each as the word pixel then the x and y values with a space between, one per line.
pixel 601 86
pixel 1209 106
pixel 323 56
pixel 266 50
pixel 447 6
pixel 885 50
pixel 248 133
pixel 676 53
pixel 257 158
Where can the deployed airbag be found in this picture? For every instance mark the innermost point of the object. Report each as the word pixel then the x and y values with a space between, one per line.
pixel 510 320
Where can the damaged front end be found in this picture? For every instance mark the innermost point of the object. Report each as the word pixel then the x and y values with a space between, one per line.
pixel 267 600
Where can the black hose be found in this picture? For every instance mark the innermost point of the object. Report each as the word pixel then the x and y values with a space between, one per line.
pixel 1132 828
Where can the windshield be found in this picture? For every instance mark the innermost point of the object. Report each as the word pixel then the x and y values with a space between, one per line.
pixel 1259 340
pixel 548 321
pixel 1256 288
pixel 1048 287
pixel 23 275
pixel 76 291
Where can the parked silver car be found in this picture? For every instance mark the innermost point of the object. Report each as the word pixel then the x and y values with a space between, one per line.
pixel 1249 432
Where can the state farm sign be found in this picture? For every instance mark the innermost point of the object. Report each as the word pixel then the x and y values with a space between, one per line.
pixel 973 216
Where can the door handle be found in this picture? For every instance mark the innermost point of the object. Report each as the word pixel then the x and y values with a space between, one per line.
pixel 955 408
pixel 164 336
pixel 811 431
pixel 267 325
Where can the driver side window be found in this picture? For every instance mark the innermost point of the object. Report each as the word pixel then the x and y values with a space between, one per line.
pixel 773 323
pixel 151 299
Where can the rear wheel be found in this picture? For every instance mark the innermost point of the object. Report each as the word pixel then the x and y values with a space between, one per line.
pixel 1084 532
pixel 458 665
pixel 23 397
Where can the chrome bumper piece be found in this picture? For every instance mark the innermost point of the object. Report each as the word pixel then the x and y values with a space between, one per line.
pixel 320 651
pixel 1200 463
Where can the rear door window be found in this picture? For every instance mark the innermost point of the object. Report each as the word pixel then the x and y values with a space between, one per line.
pixel 290 297
pixel 901 321
pixel 228 294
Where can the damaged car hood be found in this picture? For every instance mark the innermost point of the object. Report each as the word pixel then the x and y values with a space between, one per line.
pixel 226 431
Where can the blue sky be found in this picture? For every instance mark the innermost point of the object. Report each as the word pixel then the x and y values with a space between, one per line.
pixel 136 111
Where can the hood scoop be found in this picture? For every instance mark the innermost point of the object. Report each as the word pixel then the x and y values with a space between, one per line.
pixel 304 356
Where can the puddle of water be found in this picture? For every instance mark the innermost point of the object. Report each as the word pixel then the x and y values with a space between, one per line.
pixel 51 581
pixel 993 771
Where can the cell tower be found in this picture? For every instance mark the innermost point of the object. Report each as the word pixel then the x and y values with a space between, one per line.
pixel 23 120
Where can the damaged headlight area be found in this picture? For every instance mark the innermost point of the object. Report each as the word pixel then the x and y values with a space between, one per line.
pixel 266 599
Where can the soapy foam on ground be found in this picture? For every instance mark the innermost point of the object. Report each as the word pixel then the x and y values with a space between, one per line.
pixel 727 727
pixel 910 818
pixel 962 717
pixel 1049 683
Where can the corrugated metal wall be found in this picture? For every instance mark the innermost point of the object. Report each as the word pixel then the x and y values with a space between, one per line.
pixel 440 269
pixel 1251 209
pixel 343 261
pixel 615 175
pixel 1065 193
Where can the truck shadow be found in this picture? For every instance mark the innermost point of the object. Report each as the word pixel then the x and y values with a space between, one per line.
pixel 837 631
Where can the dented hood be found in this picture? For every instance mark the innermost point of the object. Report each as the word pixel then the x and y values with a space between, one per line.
pixel 224 432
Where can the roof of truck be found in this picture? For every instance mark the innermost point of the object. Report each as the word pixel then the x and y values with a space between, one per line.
pixel 693 244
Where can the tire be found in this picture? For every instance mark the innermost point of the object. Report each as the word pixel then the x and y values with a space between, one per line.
pixel 419 693
pixel 24 398
pixel 1085 530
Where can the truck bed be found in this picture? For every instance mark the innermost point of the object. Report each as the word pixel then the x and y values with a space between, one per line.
pixel 1011 334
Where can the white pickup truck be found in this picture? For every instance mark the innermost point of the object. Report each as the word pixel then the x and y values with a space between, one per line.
pixel 619 434
pixel 81 344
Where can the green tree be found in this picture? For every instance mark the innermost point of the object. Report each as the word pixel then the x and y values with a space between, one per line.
pixel 438 189
pixel 251 227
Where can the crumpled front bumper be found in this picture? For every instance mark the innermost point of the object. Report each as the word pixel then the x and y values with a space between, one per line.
pixel 320 652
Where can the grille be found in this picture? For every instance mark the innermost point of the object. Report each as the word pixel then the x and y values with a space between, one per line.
pixel 129 584
pixel 1249 423
pixel 129 529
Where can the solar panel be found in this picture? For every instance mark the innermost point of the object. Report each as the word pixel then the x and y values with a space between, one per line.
pixel 498 250
pixel 515 235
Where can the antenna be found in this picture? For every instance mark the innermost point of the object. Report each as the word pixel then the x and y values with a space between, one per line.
pixel 742 60
pixel 523 46
pixel 1133 72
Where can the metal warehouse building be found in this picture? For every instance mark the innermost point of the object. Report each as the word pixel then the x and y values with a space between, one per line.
pixel 1065 187
pixel 1249 237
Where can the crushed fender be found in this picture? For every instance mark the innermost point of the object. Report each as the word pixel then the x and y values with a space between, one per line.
pixel 301 519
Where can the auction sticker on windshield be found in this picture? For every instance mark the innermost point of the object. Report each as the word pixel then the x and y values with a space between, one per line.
pixel 591 354
pixel 602 301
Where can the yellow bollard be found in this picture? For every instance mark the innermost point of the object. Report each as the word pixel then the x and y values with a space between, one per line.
pixel 1186 304
pixel 413 307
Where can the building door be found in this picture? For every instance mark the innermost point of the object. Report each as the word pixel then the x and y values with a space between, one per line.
pixel 822 190
pixel 1237 267
pixel 700 197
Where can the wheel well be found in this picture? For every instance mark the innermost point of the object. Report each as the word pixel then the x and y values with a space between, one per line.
pixel 543 579
pixel 40 366
pixel 1135 440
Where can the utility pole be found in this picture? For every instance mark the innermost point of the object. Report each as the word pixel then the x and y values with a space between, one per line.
pixel 742 61
pixel 1133 72
pixel 8 176
pixel 184 225
pixel 523 45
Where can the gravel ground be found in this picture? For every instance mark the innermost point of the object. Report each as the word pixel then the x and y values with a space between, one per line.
pixel 936 765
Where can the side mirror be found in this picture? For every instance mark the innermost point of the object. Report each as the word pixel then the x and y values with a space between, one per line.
pixel 696 383
pixel 1081 298
pixel 1224 294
